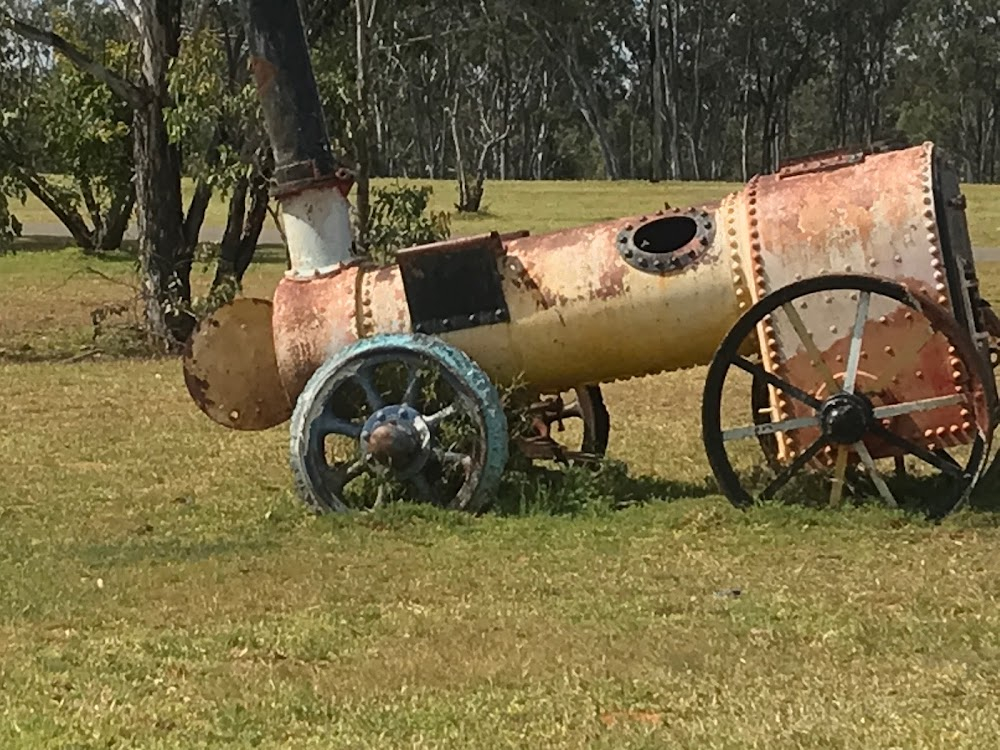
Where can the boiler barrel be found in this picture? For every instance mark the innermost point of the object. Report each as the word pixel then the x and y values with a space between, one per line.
pixel 609 301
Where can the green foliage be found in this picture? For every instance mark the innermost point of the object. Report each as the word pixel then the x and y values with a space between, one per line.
pixel 400 218
pixel 58 120
pixel 215 113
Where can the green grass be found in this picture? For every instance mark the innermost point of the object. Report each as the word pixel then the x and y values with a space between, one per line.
pixel 161 586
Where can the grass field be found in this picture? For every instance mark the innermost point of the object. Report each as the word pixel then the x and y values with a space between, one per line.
pixel 161 587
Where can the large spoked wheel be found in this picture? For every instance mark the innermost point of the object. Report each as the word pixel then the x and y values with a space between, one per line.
pixel 398 417
pixel 857 387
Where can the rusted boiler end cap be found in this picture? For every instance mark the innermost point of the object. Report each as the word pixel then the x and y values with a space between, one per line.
pixel 231 370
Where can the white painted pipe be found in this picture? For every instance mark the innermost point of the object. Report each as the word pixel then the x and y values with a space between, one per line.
pixel 318 230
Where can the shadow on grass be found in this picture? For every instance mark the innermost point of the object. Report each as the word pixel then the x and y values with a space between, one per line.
pixel 39 243
pixel 575 490
pixel 128 252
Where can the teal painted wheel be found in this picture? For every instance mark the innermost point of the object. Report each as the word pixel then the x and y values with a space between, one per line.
pixel 398 417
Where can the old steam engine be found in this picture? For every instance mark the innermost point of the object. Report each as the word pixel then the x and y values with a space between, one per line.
pixel 842 289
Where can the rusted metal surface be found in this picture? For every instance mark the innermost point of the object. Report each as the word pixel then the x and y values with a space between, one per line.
pixel 231 371
pixel 841 213
pixel 289 97
pixel 578 312
pixel 908 356
pixel 588 406
pixel 668 241
pixel 312 320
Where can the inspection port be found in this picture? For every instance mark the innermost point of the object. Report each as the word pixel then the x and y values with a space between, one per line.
pixel 663 244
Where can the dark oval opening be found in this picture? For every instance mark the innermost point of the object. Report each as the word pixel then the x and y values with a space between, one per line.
pixel 666 235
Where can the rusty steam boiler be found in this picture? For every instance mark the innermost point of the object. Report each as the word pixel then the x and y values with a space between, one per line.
pixel 842 289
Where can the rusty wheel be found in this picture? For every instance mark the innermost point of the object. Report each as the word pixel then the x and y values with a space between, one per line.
pixel 872 390
pixel 398 417
pixel 589 425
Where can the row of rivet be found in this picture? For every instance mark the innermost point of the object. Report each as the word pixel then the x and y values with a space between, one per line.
pixel 941 287
pixel 743 296
pixel 781 411
pixel 930 217
pixel 365 315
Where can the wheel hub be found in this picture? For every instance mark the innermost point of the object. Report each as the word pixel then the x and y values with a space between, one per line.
pixel 397 439
pixel 846 418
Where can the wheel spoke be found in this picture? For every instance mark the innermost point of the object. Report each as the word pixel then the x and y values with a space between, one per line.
pixel 379 497
pixel 814 354
pixel 355 470
pixel 454 457
pixel 769 428
pixel 910 407
pixel 839 476
pixel 945 463
pixel 793 468
pixel 869 463
pixel 755 369
pixel 327 424
pixel 854 357
pixel 374 398
pixel 412 386
pixel 436 418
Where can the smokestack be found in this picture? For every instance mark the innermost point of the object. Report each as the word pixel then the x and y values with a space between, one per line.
pixel 310 181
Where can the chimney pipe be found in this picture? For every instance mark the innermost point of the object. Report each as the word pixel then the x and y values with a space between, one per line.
pixel 311 183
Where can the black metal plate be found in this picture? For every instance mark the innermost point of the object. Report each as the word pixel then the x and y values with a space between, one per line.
pixel 454 285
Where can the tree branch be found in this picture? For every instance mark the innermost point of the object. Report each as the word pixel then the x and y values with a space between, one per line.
pixel 132 11
pixel 129 93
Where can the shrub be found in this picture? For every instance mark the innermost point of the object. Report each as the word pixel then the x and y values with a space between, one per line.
pixel 399 218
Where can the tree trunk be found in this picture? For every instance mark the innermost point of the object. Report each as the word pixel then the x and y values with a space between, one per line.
pixel 70 219
pixel 166 272
pixel 118 219
pixel 362 139
pixel 239 242
pixel 656 94
pixel 164 259
pixel 673 90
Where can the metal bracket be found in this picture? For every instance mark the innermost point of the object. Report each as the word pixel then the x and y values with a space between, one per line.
pixel 454 284
pixel 821 162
